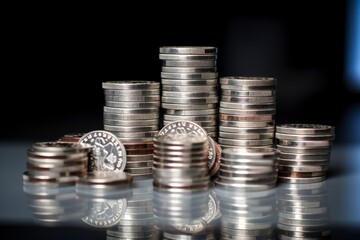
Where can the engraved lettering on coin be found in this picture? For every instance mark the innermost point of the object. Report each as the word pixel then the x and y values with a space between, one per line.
pixel 109 153
pixel 105 213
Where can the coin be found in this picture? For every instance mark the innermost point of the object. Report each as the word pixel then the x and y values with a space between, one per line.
pixel 192 50
pixel 252 81
pixel 183 57
pixel 188 69
pixel 109 153
pixel 189 63
pixel 130 85
pixel 307 129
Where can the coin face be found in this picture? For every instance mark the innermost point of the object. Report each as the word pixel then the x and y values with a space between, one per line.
pixel 105 213
pixel 108 152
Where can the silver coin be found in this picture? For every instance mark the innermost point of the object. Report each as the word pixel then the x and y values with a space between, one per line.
pixel 191 83
pixel 203 100
pixel 307 129
pixel 188 94
pixel 304 157
pixel 251 136
pixel 108 151
pixel 246 112
pixel 58 148
pixel 183 128
pixel 130 85
pixel 238 124
pixel 248 99
pixel 304 150
pixel 191 63
pixel 188 69
pixel 189 88
pixel 122 129
pixel 190 118
pixel 188 106
pixel 121 92
pixel 188 50
pixel 245 142
pixel 237 130
pixel 145 122
pixel 201 123
pixel 132 140
pixel 253 81
pixel 202 75
pixel 254 93
pixel 301 180
pixel 268 106
pixel 127 98
pixel 199 112
pixel 302 168
pixel 105 214
pixel 247 87
pixel 294 137
pixel 143 157
pixel 135 134
pixel 306 144
pixel 115 116
pixel 246 118
pixel 155 104
pixel 130 110
pixel 106 178
pixel 183 57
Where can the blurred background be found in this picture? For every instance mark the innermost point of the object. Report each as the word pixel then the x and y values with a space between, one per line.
pixel 60 58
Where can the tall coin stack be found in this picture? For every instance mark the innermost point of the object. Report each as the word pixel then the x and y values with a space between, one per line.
pixel 189 85
pixel 304 152
pixel 248 169
pixel 181 181
pixel 247 112
pixel 303 211
pixel 248 214
pixel 131 112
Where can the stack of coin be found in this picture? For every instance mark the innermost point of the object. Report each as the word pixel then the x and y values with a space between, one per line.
pixel 181 179
pixel 184 127
pixel 138 220
pixel 131 112
pixel 248 169
pixel 303 211
pixel 247 112
pixel 247 215
pixel 56 162
pixel 304 152
pixel 189 85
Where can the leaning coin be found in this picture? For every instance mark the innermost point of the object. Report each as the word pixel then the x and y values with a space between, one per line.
pixel 108 151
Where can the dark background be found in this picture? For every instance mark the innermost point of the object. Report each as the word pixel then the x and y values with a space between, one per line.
pixel 60 56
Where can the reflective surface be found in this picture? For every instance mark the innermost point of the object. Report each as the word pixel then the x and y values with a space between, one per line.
pixel 322 210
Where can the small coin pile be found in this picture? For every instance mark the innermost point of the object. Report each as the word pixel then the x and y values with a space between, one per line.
pixel 184 127
pixel 303 211
pixel 189 85
pixel 131 112
pixel 247 215
pixel 181 179
pixel 304 152
pixel 252 169
pixel 56 163
pixel 247 112
pixel 138 220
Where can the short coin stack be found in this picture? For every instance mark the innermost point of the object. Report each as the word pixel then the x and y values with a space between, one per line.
pixel 303 211
pixel 247 112
pixel 247 215
pixel 131 112
pixel 189 85
pixel 56 162
pixel 184 127
pixel 252 169
pixel 138 220
pixel 304 152
pixel 181 179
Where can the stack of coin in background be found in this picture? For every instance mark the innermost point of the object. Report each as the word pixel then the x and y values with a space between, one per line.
pixel 303 211
pixel 131 112
pixel 138 220
pixel 304 152
pixel 247 215
pixel 56 162
pixel 181 181
pixel 247 112
pixel 184 127
pixel 189 85
pixel 248 169
pixel 49 182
